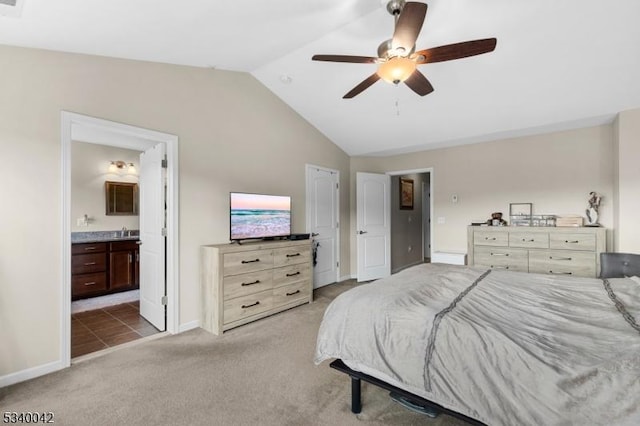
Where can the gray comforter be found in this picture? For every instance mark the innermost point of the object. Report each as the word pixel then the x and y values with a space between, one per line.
pixel 505 348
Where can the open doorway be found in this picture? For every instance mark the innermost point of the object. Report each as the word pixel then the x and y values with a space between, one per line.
pixel 125 257
pixel 410 218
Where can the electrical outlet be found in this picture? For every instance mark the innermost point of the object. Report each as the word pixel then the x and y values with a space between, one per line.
pixel 441 220
pixel 81 222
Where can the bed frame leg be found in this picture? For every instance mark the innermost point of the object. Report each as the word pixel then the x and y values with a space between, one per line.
pixel 356 402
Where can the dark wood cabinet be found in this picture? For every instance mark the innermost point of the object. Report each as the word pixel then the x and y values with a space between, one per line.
pixel 123 265
pixel 104 268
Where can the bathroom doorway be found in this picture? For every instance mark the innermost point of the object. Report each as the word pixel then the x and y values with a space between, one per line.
pixel 125 257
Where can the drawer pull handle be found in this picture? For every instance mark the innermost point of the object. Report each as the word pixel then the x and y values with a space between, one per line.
pixel 251 261
pixel 89 248
pixel 253 304
pixel 499 267
pixel 529 241
pixel 561 273
pixel 293 255
pixel 89 263
pixel 294 274
pixel 91 283
pixel 492 238
pixel 572 242
pixel 499 254
pixel 291 294
pixel 255 282
pixel 559 258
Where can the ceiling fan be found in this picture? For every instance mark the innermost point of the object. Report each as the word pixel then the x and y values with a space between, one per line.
pixel 397 57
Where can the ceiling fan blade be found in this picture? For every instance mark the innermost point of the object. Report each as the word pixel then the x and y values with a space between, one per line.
pixel 345 58
pixel 362 86
pixel 456 51
pixel 408 26
pixel 419 83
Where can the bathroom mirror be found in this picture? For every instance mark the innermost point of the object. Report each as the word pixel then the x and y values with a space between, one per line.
pixel 122 198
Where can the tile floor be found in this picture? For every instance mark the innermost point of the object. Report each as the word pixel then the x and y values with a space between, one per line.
pixel 102 328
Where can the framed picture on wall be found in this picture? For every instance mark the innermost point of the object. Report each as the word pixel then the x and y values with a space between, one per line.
pixel 406 194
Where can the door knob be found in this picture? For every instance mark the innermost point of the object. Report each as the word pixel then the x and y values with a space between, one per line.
pixel 314 234
pixel 139 242
pixel 362 232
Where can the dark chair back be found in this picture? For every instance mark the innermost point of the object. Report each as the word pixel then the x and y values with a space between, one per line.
pixel 619 265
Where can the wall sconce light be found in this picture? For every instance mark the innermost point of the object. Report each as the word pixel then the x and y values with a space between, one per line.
pixel 120 166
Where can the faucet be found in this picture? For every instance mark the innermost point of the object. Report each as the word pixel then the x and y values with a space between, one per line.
pixel 124 229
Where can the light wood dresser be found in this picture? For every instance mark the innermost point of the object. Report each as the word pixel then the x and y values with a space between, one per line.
pixel 243 283
pixel 544 250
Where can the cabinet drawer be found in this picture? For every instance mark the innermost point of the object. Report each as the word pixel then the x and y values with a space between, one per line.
pixel 486 238
pixel 563 262
pixel 246 306
pixel 86 263
pixel 291 255
pixel 291 274
pixel 123 245
pixel 573 241
pixel 88 283
pixel 512 259
pixel 87 248
pixel 291 293
pixel 248 261
pixel 528 239
pixel 244 284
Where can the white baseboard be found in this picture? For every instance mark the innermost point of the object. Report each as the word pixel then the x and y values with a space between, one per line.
pixel 188 326
pixel 30 373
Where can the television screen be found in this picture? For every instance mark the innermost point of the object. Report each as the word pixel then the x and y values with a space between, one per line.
pixel 259 215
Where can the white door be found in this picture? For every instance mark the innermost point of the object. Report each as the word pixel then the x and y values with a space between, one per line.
pixel 426 218
pixel 322 223
pixel 152 240
pixel 373 226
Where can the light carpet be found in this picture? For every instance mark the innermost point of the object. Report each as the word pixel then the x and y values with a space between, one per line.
pixel 258 374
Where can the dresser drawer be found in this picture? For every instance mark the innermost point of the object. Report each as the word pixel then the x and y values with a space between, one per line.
pixel 291 255
pixel 248 261
pixel 291 293
pixel 88 283
pixel 487 238
pixel 244 284
pixel 86 263
pixel 291 274
pixel 563 262
pixel 246 306
pixel 529 239
pixel 87 248
pixel 573 241
pixel 512 259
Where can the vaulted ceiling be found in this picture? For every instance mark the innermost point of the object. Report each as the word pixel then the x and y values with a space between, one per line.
pixel 557 64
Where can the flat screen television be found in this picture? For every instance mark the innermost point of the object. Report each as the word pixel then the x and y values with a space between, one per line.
pixel 259 216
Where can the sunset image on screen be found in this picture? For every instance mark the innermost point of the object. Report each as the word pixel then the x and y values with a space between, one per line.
pixel 259 216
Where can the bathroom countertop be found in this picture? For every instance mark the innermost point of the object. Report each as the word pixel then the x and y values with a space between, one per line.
pixel 103 236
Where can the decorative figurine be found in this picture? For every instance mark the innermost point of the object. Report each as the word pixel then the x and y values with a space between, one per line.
pixel 496 220
pixel 592 211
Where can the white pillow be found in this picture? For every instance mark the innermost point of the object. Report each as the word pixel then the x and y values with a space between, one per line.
pixel 635 279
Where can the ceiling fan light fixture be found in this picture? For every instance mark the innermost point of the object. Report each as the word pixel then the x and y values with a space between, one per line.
pixel 396 70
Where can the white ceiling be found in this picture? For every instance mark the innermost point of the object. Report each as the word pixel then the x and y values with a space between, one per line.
pixel 557 65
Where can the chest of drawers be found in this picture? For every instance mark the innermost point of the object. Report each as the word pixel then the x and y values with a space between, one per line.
pixel 243 283
pixel 561 251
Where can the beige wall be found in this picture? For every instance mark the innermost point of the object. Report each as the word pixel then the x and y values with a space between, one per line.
pixel 627 161
pixel 89 171
pixel 554 171
pixel 235 135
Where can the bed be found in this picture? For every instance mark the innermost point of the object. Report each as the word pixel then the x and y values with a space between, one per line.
pixel 493 347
